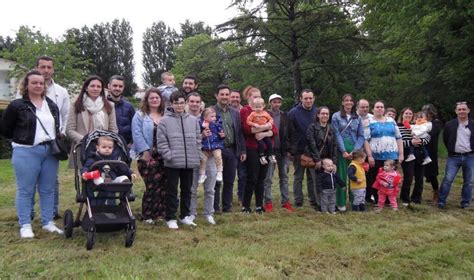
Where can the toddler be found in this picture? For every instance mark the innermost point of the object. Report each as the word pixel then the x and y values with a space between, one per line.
pixel 358 184
pixel 116 173
pixel 256 119
pixel 326 183
pixel 387 183
pixel 167 87
pixel 420 129
pixel 211 145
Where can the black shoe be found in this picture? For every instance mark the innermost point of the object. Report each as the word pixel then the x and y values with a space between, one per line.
pixel 298 204
pixel 57 217
pixel 355 208
pixel 259 210
pixel 246 210
pixel 362 207
pixel 227 210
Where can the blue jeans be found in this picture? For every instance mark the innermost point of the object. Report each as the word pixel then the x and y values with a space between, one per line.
pixel 282 164
pixel 466 162
pixel 41 169
pixel 56 200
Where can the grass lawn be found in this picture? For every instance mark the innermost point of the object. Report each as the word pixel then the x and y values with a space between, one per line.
pixel 416 242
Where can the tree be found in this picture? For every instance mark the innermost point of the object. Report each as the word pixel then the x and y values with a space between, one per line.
pixel 29 44
pixel 190 29
pixel 298 40
pixel 109 47
pixel 159 42
pixel 423 51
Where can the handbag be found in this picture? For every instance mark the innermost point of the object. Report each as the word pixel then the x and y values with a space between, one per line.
pixel 58 146
pixel 307 161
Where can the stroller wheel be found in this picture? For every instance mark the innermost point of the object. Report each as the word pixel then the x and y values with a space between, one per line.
pixel 68 223
pixel 129 236
pixel 90 238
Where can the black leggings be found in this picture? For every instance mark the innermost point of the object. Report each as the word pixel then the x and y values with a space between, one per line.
pixel 255 178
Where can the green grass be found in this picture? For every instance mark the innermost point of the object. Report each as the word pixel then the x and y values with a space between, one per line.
pixel 416 242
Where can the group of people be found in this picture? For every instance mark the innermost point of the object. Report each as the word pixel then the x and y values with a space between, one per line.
pixel 177 141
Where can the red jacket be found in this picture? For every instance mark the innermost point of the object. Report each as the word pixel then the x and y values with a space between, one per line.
pixel 392 178
pixel 250 141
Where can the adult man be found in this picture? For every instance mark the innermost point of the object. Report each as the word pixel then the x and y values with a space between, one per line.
pixel 300 117
pixel 60 96
pixel 190 84
pixel 458 137
pixel 363 112
pixel 124 111
pixel 280 120
pixel 241 171
pixel 234 147
pixel 193 103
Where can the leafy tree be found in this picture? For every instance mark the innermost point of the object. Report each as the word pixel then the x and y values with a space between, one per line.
pixel 423 51
pixel 159 42
pixel 190 29
pixel 30 44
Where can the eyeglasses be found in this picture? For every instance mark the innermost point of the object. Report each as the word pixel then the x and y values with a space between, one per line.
pixel 179 103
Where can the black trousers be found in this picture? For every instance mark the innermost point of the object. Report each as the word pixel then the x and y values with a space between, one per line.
pixel 185 179
pixel 413 169
pixel 255 176
pixel 371 175
pixel 230 161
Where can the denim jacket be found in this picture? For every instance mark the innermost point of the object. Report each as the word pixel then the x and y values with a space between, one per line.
pixel 142 132
pixel 355 131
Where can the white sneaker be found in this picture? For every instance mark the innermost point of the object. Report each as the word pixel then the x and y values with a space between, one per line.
pixel 188 221
pixel 405 204
pixel 426 161
pixel 26 231
pixel 210 219
pixel 192 217
pixel 410 157
pixel 263 161
pixel 51 227
pixel 202 178
pixel 219 176
pixel 272 159
pixel 172 224
pixel 150 221
pixel 342 208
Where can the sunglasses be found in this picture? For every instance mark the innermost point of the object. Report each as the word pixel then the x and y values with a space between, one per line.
pixel 461 103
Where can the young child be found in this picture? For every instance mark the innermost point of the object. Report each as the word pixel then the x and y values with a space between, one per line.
pixel 211 145
pixel 167 87
pixel 358 184
pixel 387 183
pixel 326 183
pixel 116 173
pixel 420 129
pixel 256 119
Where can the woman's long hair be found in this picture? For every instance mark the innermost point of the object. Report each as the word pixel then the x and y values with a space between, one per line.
pixel 320 108
pixel 400 117
pixel 79 105
pixel 144 104
pixel 353 109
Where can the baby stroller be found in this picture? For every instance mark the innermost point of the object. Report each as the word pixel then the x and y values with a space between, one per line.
pixel 101 217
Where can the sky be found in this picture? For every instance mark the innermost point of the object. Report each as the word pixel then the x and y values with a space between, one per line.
pixel 54 17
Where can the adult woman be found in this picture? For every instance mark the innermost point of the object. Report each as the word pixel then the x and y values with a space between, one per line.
pixel 431 169
pixel 384 142
pixel 349 132
pixel 321 141
pixel 257 176
pixel 32 122
pixel 150 164
pixel 89 112
pixel 415 168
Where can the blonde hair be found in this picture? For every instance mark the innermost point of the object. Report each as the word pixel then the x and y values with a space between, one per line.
pixel 207 111
pixel 106 139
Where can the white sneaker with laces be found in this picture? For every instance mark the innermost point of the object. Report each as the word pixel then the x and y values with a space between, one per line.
pixel 51 227
pixel 219 176
pixel 210 219
pixel 188 221
pixel 202 178
pixel 26 231
pixel 172 224
pixel 342 208
pixel 426 161
pixel 410 157
pixel 192 217
pixel 150 221
pixel 263 161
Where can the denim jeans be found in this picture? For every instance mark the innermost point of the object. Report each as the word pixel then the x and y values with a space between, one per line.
pixel 209 185
pixel 282 164
pixel 466 162
pixel 298 183
pixel 56 200
pixel 35 168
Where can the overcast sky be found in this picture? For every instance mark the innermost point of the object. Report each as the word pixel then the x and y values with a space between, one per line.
pixel 53 17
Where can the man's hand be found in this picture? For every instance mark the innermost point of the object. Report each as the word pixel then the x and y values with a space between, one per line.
pixel 243 157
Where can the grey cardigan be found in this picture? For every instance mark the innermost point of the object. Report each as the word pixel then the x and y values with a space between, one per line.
pixel 179 140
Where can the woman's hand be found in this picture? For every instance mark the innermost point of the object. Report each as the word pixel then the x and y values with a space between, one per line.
pixel 371 161
pixel 347 155
pixel 416 142
pixel 146 156
pixel 400 158
pixel 206 132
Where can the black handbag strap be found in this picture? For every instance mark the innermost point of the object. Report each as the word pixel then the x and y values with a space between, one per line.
pixel 44 128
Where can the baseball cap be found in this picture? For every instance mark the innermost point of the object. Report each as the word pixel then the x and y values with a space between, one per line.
pixel 274 96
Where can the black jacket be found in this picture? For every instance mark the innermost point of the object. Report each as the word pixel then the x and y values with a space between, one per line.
pixel 324 181
pixel 283 132
pixel 124 113
pixel 19 122
pixel 450 134
pixel 315 141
